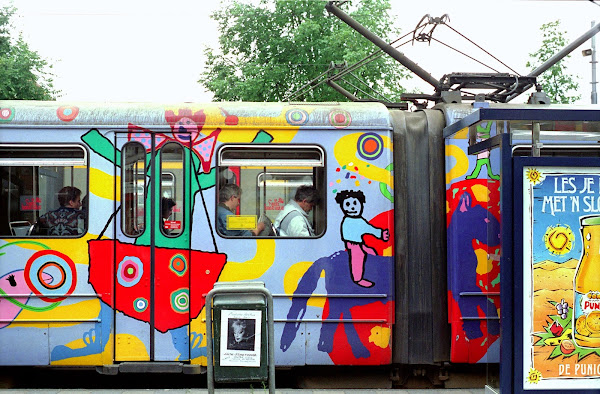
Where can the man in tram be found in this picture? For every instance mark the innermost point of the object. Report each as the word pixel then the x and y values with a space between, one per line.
pixel 229 200
pixel 293 220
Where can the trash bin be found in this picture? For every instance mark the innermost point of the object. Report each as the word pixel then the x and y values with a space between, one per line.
pixel 240 338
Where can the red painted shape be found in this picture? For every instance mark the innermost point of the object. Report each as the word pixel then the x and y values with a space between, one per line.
pixel 342 351
pixel 67 113
pixel 204 268
pixel 384 220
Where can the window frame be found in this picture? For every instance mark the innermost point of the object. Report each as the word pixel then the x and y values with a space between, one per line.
pixel 83 161
pixel 310 166
pixel 164 171
pixel 135 187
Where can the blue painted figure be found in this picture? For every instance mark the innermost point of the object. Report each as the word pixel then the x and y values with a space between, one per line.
pixel 470 223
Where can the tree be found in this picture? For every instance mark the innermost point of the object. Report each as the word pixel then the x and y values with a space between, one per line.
pixel 272 48
pixel 24 75
pixel 555 81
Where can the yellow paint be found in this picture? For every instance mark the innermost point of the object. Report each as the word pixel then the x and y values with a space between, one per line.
pixel 104 358
pixel 345 154
pixel 253 268
pixel 463 134
pixel 130 348
pixel 460 167
pixel 484 264
pixel 380 336
pixel 293 276
pixel 84 310
pixel 481 193
pixel 197 328
pixel 102 184
pixel 76 249
pixel 387 251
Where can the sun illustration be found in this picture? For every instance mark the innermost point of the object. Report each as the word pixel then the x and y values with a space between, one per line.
pixel 559 239
pixel 534 376
pixel 534 176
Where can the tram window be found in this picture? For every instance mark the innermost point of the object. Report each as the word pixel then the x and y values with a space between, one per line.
pixel 171 189
pixel 269 176
pixel 134 188
pixel 32 177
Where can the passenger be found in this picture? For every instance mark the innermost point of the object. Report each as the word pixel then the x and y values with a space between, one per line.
pixel 66 220
pixel 229 200
pixel 293 220
pixel 167 205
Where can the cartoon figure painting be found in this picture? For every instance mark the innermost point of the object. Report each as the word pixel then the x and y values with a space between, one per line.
pixel 353 228
pixel 364 240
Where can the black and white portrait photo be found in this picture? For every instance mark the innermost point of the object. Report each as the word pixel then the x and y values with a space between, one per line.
pixel 241 334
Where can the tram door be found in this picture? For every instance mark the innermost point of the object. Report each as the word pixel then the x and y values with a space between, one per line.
pixel 152 284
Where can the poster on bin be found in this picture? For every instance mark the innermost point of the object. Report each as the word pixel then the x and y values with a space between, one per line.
pixel 240 338
pixel 561 277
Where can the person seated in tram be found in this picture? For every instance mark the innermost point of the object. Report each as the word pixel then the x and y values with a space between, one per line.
pixel 229 200
pixel 67 220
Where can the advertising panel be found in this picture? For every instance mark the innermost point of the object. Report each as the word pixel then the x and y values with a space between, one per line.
pixel 561 277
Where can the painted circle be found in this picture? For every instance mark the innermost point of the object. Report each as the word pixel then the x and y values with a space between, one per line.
pixel 130 271
pixel 51 260
pixel 296 117
pixel 180 300
pixel 340 118
pixel 6 114
pixel 49 266
pixel 369 146
pixel 140 304
pixel 178 265
pixel 67 113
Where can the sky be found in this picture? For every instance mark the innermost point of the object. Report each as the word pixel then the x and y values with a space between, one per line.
pixel 153 51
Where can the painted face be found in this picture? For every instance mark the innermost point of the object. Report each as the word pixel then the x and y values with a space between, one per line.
pixel 184 126
pixel 352 207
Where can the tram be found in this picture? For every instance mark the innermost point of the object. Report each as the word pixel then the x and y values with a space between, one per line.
pixel 125 288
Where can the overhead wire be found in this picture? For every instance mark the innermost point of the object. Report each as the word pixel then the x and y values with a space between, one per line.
pixel 311 85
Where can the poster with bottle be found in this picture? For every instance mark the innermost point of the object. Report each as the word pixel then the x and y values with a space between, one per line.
pixel 561 277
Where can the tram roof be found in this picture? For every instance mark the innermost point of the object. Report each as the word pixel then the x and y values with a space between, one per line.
pixel 347 115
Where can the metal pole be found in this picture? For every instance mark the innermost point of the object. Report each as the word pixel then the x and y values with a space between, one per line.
pixel 387 48
pixel 565 51
pixel 342 91
pixel 594 94
pixel 558 57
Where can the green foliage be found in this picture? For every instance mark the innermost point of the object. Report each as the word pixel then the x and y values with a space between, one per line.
pixel 555 81
pixel 272 48
pixel 24 75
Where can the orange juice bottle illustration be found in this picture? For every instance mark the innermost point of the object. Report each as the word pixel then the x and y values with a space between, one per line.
pixel 586 306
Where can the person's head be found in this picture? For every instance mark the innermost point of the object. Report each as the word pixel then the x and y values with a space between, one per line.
pixel 167 207
pixel 351 202
pixel 239 329
pixel 307 197
pixel 230 195
pixel 69 196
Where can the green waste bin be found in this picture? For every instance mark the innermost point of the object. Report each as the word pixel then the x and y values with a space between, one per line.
pixel 240 338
